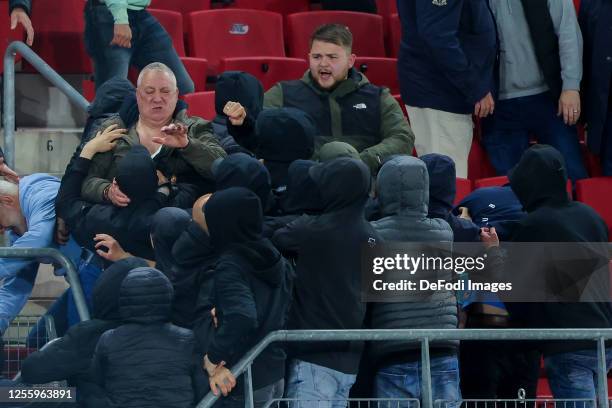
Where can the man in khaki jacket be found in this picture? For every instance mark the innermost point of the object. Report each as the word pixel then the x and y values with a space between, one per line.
pixel 183 147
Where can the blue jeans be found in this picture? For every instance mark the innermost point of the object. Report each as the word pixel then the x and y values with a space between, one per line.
pixel 404 381
pixel 316 386
pixel 506 133
pixel 573 375
pixel 150 43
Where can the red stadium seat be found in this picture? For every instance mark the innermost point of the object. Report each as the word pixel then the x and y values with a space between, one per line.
pixel 386 8
pixel 380 71
pixel 402 105
pixel 269 70
pixel 201 104
pixel 218 34
pixel 490 182
pixel 479 165
pixel 197 69
pixel 278 6
pixel 58 38
pixel 6 34
pixel 181 6
pixel 464 187
pixel 172 21
pixel 595 192
pixel 503 180
pixel 394 35
pixel 367 30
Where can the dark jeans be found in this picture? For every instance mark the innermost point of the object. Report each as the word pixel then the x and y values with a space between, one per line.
pixel 506 133
pixel 498 369
pixel 573 375
pixel 606 147
pixel 150 43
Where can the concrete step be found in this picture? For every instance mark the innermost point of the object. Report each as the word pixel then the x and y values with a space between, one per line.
pixel 44 150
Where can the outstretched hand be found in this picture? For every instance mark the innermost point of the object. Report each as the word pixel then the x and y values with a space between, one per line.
pixel 174 135
pixel 114 251
pixel 104 141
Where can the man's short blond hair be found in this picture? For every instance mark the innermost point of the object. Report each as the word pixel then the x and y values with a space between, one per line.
pixel 159 67
pixel 8 189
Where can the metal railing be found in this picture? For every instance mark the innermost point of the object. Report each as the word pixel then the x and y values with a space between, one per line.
pixel 71 272
pixel 8 112
pixel 424 337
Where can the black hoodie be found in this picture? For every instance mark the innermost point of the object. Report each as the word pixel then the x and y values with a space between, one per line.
pixel 147 361
pixel 328 246
pixel 236 86
pixel 130 225
pixel 539 181
pixel 69 357
pixel 442 190
pixel 252 284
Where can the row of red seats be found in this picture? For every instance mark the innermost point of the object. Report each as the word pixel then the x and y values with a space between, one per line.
pixel 210 34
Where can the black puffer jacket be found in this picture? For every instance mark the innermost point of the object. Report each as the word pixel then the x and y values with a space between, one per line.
pixel 69 358
pixel 147 361
pixel 252 284
pixel 403 193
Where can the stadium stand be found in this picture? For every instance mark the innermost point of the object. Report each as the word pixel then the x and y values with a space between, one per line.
pixel 182 6
pixel 172 21
pixel 201 104
pixel 367 30
pixel 464 187
pixel 597 193
pixel 380 71
pixel 278 6
pixel 269 70
pixel 234 33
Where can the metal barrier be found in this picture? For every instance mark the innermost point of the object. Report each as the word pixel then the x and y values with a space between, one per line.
pixel 424 337
pixel 71 273
pixel 348 403
pixel 8 113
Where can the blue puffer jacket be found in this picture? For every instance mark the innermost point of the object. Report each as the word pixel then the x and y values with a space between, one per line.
pixel 403 194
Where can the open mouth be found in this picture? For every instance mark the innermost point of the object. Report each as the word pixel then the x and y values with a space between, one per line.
pixel 158 108
pixel 325 75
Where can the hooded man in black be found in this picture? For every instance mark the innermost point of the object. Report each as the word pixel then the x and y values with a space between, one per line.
pixel 328 287
pixel 252 291
pixel 283 135
pixel 442 190
pixel 241 87
pixel 147 361
pixel 69 357
pixel 550 274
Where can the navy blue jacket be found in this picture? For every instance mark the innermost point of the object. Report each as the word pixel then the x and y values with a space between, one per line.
pixel 595 19
pixel 447 54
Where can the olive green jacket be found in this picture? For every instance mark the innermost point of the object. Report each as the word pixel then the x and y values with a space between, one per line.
pixel 176 164
pixel 396 135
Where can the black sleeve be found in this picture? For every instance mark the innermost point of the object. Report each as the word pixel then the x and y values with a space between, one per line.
pixel 236 311
pixel 1 153
pixel 203 325
pixel 24 4
pixel 57 361
pixel 68 203
pixel 245 134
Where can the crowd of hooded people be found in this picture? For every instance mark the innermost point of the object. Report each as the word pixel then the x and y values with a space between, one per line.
pixel 196 239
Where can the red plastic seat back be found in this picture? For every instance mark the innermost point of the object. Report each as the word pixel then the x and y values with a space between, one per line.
pixel 380 71
pixel 395 35
pixel 218 34
pixel 6 34
pixel 201 104
pixel 464 187
pixel 367 30
pixel 59 27
pixel 278 6
pixel 181 6
pixel 596 192
pixel 172 21
pixel 197 69
pixel 269 70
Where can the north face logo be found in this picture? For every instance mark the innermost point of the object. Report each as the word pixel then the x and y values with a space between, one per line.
pixel 239 29
pixel 360 106
pixel 439 2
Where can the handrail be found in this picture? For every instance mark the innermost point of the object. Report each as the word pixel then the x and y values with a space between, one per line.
pixel 426 337
pixel 73 276
pixel 8 112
